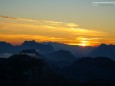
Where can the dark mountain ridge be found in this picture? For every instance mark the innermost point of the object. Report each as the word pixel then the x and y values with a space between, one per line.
pixel 61 58
pixel 8 48
pixel 25 70
pixel 87 69
pixel 104 51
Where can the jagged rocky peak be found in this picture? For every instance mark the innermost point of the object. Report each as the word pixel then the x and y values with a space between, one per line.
pixel 29 42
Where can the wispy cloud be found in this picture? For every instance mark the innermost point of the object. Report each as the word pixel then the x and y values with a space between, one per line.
pixel 103 3
pixel 23 19
pixel 26 19
pixel 46 22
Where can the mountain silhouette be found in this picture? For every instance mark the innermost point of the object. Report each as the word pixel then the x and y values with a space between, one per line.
pixel 24 70
pixel 104 51
pixel 29 45
pixel 56 64
pixel 77 51
pixel 6 47
pixel 89 69
pixel 62 58
pixel 46 48
pixel 42 48
pixel 62 54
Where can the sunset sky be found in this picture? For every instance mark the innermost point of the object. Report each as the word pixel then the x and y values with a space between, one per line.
pixel 74 22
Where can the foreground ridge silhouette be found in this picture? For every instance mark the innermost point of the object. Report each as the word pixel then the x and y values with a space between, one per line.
pixel 25 70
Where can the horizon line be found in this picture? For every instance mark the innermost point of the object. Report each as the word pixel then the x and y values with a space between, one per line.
pixel 53 42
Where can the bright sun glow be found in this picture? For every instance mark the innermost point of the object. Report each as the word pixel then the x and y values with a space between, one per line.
pixel 83 43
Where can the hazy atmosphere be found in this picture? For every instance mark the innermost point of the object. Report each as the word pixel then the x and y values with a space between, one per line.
pixel 57 42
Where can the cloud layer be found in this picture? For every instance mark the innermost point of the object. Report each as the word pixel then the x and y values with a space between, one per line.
pixel 43 30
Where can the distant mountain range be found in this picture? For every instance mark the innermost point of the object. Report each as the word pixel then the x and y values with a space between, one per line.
pixel 78 51
pixel 47 48
pixel 42 48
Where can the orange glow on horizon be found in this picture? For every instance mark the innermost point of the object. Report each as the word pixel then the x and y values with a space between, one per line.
pixel 12 38
pixel 17 30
